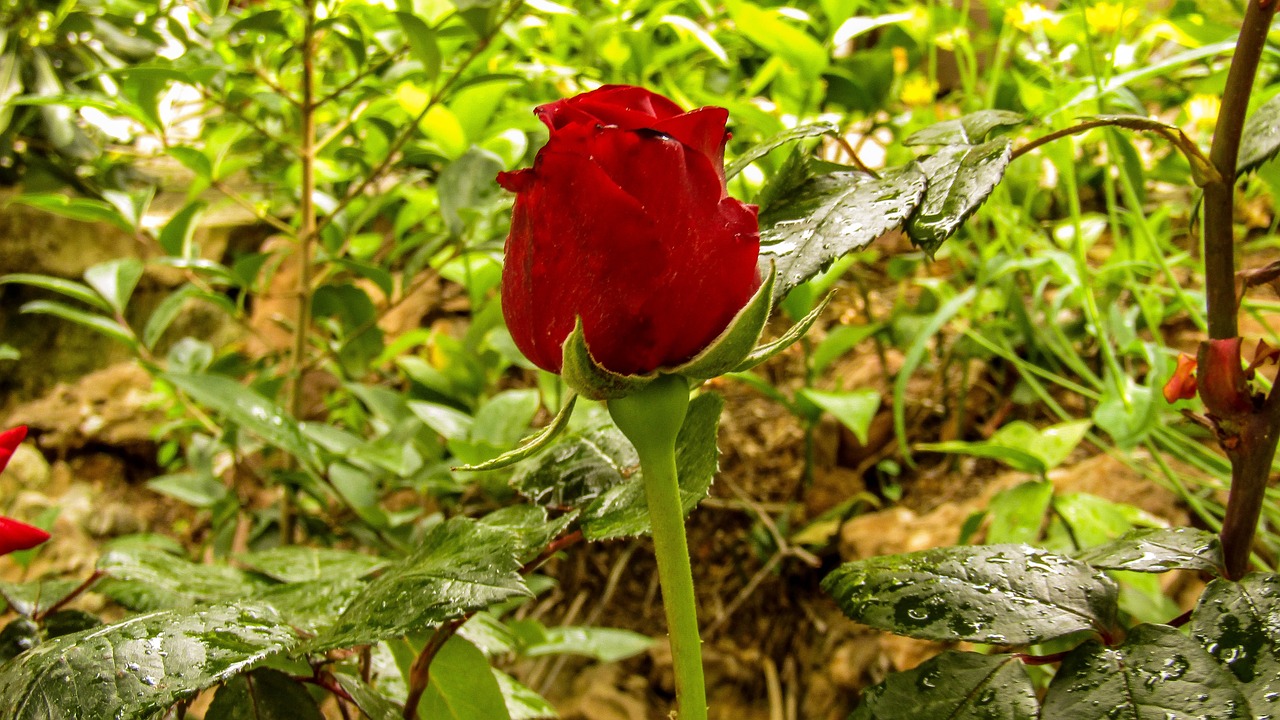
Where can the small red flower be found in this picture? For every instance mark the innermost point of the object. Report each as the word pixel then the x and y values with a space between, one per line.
pixel 14 535
pixel 625 222
pixel 1182 386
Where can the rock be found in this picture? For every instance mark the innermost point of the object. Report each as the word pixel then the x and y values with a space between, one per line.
pixel 109 407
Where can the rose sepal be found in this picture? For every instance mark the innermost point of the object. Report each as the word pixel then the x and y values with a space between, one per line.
pixel 738 341
pixel 533 445
pixel 790 337
pixel 588 378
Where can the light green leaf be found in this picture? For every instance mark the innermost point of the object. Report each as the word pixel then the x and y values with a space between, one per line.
pixel 98 323
pixel 855 409
pixel 462 687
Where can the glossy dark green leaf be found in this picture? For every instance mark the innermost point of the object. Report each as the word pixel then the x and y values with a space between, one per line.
pixel 139 666
pixel 960 177
pixel 312 605
pixel 459 566
pixel 956 686
pixel 162 580
pixel 65 622
pixel 622 510
pixel 529 525
pixel 294 563
pixel 18 636
pixel 596 469
pixel 1157 673
pixel 36 596
pixel 997 594
pixel 834 214
pixel 462 687
pixel 1239 624
pixel 247 409
pixel 759 150
pixel 1158 550
pixel 970 129
pixel 263 694
pixel 1261 138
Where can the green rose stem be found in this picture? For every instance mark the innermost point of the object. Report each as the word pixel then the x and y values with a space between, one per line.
pixel 651 419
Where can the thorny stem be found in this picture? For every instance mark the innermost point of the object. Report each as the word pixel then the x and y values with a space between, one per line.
pixel 420 672
pixel 1258 431
pixel 306 236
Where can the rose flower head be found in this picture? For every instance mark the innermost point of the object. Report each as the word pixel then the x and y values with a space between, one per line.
pixel 14 535
pixel 624 224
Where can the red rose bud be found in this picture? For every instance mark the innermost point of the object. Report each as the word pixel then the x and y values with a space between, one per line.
pixel 15 536
pixel 1223 386
pixel 624 221
pixel 1182 386
pixel 9 442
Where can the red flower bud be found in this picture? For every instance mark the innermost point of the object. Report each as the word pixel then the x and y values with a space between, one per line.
pixel 624 221
pixel 1182 386
pixel 14 535
pixel 9 442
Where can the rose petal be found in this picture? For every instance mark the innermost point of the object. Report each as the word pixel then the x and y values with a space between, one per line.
pixel 15 536
pixel 9 442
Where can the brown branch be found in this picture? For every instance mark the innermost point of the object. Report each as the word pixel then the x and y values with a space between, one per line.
pixel 1256 432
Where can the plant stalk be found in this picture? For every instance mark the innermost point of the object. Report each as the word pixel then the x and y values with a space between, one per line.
pixel 306 236
pixel 651 419
pixel 1256 432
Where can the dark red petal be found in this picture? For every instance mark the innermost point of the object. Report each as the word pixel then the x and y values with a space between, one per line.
pixel 701 129
pixel 517 181
pixel 9 442
pixel 624 106
pixel 15 536
pixel 568 232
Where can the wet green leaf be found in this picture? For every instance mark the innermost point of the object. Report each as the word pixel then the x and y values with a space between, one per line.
pixel 622 510
pixel 247 409
pixel 834 214
pixel 160 580
pixel 1239 624
pixel 1261 138
pixel 960 178
pixel 1157 673
pixel 312 605
pixel 294 563
pixel 997 594
pixel 36 596
pixel 263 694
pixel 530 527
pixel 956 686
pixel 971 129
pixel 459 566
pixel 140 665
pixel 1158 550
pixel 372 703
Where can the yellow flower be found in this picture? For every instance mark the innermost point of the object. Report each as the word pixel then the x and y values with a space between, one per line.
pixel 1202 111
pixel 1107 17
pixel 1028 17
pixel 918 91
